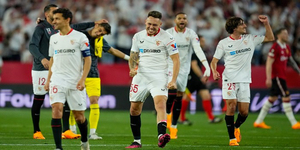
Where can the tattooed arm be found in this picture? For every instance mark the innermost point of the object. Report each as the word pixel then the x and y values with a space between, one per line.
pixel 133 63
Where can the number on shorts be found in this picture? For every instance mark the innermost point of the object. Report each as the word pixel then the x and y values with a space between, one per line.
pixel 231 86
pixel 54 89
pixel 134 88
pixel 42 81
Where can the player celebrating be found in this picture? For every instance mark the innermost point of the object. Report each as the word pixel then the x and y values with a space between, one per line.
pixel 237 50
pixel 69 65
pixel 93 82
pixel 148 65
pixel 186 40
pixel 277 59
pixel 196 83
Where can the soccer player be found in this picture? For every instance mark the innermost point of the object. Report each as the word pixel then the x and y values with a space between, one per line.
pixel 196 83
pixel 70 62
pixel 93 82
pixel 187 41
pixel 278 57
pixel 39 48
pixel 237 50
pixel 148 65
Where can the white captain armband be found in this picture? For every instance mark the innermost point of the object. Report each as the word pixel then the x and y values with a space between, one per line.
pixel 86 53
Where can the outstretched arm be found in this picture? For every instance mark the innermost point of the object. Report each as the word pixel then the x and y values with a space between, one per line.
pixel 118 53
pixel 269 36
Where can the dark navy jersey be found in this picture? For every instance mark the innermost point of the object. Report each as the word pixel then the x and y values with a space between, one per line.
pixel 94 72
pixel 39 44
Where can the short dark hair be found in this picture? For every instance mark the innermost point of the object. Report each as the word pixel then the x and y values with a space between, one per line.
pixel 232 23
pixel 47 8
pixel 180 13
pixel 155 14
pixel 66 13
pixel 278 31
pixel 106 27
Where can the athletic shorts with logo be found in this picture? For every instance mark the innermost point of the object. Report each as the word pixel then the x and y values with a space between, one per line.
pixel 39 79
pixel 239 91
pixel 279 88
pixel 75 98
pixel 144 84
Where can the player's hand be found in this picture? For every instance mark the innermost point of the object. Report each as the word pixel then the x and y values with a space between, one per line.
pixel 268 83
pixel 216 76
pixel 45 63
pixel 39 20
pixel 101 21
pixel 132 72
pixel 172 85
pixel 204 79
pixel 263 19
pixel 46 86
pixel 80 85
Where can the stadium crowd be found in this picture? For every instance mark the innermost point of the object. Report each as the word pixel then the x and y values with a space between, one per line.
pixel 207 18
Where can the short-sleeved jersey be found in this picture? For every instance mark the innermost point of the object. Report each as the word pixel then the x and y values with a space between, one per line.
pixel 280 53
pixel 66 51
pixel 237 57
pixel 94 72
pixel 153 50
pixel 39 43
pixel 185 41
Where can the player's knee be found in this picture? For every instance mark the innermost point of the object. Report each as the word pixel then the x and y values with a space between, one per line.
pixel 244 113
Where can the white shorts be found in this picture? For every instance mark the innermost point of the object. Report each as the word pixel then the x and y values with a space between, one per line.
pixel 39 79
pixel 181 81
pixel 144 84
pixel 75 98
pixel 239 91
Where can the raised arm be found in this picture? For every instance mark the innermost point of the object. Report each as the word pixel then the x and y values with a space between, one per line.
pixel 269 36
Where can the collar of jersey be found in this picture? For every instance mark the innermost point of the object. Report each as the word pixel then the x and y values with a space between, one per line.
pixel 156 33
pixel 235 39
pixel 68 32
pixel 177 31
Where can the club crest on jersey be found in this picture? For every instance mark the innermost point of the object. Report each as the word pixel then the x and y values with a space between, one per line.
pixel 158 43
pixel 48 30
pixel 287 51
pixel 72 42
pixel 245 42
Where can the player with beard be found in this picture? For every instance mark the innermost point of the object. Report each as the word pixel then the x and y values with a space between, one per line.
pixel 187 41
pixel 279 55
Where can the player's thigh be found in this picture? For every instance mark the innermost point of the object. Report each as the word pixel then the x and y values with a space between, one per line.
pixel 57 94
pixel 279 87
pixel 138 89
pixel 229 90
pixel 243 94
pixel 93 86
pixel 39 79
pixel 158 85
pixel 76 99
pixel 181 82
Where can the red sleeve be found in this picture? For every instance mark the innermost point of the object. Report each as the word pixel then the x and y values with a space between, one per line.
pixel 272 51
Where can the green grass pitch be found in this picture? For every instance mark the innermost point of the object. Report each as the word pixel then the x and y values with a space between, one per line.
pixel 16 133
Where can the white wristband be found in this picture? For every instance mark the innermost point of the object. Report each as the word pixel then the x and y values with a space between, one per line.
pixel 126 57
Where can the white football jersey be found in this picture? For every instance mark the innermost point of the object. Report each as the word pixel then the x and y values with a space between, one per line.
pixel 66 51
pixel 237 57
pixel 153 50
pixel 185 41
